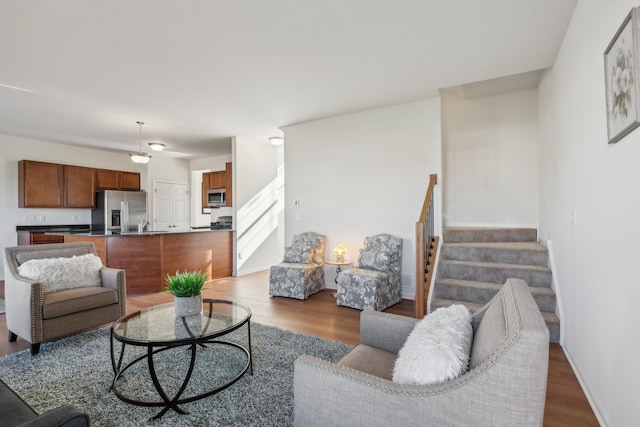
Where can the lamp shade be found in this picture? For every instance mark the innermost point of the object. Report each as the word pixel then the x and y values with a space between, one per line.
pixel 340 251
pixel 140 157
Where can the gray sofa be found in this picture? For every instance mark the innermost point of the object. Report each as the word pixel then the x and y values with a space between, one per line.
pixel 505 385
pixel 15 412
pixel 37 316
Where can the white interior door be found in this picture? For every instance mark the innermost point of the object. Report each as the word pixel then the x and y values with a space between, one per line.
pixel 171 206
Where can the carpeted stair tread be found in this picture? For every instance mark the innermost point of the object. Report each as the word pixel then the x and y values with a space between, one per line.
pixel 534 275
pixel 552 321
pixel 526 253
pixel 482 292
pixel 488 234
pixel 476 261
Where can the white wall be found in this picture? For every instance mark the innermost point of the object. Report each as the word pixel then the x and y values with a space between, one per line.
pixel 362 174
pixel 14 149
pixel 258 236
pixel 490 159
pixel 596 260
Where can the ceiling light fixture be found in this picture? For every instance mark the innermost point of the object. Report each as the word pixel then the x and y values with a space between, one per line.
pixel 276 140
pixel 140 157
pixel 157 146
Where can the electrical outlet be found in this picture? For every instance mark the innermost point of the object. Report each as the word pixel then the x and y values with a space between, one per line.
pixel 298 216
pixel 573 217
pixel 74 218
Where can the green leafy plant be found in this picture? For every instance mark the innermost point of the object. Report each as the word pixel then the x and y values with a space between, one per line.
pixel 186 284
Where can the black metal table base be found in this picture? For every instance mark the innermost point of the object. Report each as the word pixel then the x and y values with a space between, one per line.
pixel 167 401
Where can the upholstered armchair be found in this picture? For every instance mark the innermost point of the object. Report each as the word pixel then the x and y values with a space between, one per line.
pixel 57 289
pixel 504 383
pixel 375 282
pixel 301 272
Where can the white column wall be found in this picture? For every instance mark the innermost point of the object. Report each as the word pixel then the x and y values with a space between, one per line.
pixel 255 168
pixel 596 259
pixel 362 174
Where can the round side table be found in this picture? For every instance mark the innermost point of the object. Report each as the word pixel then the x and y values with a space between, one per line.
pixel 338 265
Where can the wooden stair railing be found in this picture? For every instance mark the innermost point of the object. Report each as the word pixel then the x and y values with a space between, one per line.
pixel 426 250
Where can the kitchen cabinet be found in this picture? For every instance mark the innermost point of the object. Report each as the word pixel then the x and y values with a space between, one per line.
pixel 217 180
pixel 228 172
pixel 53 185
pixel 37 238
pixel 79 187
pixel 40 184
pixel 117 180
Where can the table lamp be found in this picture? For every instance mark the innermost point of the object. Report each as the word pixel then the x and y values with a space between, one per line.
pixel 340 250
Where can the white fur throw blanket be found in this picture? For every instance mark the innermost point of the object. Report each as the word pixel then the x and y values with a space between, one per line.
pixel 56 274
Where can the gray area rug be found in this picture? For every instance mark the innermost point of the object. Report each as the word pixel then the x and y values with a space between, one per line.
pixel 77 370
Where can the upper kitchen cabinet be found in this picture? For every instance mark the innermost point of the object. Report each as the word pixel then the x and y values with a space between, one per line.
pixel 52 185
pixel 79 187
pixel 117 180
pixel 40 185
pixel 217 180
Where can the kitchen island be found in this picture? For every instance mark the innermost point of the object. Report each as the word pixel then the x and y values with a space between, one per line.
pixel 149 257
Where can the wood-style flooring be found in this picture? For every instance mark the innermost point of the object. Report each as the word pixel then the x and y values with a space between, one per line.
pixel 566 404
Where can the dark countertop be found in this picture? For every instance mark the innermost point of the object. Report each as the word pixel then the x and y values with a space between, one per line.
pixel 107 233
pixel 49 228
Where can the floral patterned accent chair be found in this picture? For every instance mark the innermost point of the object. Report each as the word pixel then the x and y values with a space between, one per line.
pixel 375 282
pixel 301 273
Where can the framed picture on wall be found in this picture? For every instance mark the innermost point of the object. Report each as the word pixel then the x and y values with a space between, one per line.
pixel 622 75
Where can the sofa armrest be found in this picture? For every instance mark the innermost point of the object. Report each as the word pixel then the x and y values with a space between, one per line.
pixel 116 279
pixel 111 277
pixel 24 316
pixel 64 416
pixel 385 331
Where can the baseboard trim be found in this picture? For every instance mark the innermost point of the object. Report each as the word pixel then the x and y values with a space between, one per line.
pixel 590 398
pixel 253 270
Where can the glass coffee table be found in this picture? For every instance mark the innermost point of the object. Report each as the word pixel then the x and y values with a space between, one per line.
pixel 157 329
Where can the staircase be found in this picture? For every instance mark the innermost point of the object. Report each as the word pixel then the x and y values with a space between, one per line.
pixel 475 263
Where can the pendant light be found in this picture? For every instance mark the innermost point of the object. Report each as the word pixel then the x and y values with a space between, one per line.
pixel 140 157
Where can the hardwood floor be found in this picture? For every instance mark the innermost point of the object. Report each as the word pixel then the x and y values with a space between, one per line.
pixel 566 404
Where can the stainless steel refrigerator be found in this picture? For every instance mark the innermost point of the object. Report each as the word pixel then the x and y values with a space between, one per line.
pixel 119 211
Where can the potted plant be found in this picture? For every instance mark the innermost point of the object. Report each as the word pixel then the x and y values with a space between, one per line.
pixel 186 287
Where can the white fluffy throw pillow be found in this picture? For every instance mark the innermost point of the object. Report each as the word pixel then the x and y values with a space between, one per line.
pixel 56 274
pixel 437 348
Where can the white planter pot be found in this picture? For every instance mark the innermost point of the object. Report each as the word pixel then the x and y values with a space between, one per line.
pixel 188 306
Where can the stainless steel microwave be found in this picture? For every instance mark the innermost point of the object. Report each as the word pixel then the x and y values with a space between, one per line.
pixel 217 198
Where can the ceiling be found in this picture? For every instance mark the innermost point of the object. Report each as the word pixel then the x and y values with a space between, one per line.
pixel 201 71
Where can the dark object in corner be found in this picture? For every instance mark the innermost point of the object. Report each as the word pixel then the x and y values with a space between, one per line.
pixel 16 412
